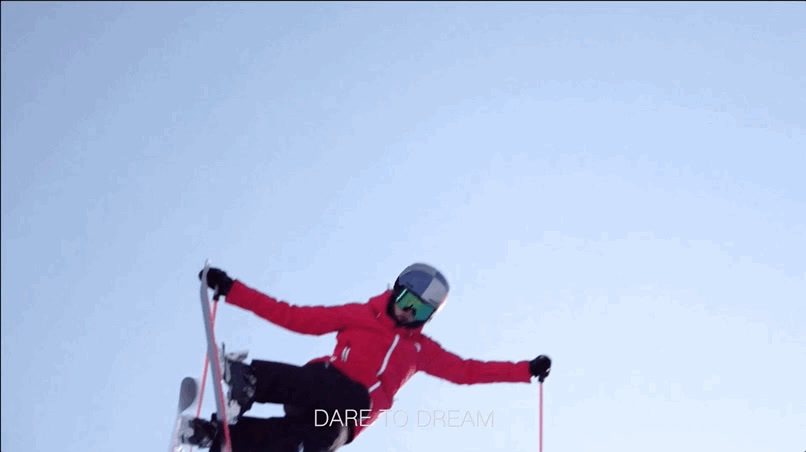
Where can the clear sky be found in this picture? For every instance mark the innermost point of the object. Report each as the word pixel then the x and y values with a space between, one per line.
pixel 618 185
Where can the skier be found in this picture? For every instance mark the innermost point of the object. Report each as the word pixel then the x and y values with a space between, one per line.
pixel 330 400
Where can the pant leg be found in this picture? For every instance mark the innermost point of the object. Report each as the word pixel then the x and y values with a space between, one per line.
pixel 306 389
pixel 281 434
pixel 276 434
pixel 284 383
pixel 315 385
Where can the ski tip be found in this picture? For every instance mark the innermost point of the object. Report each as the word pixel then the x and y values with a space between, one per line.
pixel 188 393
pixel 190 382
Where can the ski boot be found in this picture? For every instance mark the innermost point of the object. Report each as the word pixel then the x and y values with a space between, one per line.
pixel 240 381
pixel 197 432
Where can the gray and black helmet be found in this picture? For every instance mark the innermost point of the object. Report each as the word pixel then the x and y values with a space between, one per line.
pixel 426 282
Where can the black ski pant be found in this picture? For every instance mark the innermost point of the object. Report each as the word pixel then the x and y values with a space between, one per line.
pixel 317 398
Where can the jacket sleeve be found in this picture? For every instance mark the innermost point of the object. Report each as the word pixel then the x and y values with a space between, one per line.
pixel 314 320
pixel 436 361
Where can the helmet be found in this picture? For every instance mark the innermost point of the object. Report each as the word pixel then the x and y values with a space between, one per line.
pixel 424 281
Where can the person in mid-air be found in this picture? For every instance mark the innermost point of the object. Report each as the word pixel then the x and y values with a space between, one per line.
pixel 330 400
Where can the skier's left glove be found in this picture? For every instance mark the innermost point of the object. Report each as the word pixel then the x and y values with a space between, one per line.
pixel 540 367
pixel 219 280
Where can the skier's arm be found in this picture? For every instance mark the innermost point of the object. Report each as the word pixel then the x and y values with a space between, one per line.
pixel 436 361
pixel 314 320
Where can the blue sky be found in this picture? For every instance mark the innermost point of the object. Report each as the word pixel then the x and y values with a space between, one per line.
pixel 617 185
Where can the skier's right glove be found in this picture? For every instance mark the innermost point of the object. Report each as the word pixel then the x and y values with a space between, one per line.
pixel 217 279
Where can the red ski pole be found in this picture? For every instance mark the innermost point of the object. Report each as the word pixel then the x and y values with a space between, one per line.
pixel 540 415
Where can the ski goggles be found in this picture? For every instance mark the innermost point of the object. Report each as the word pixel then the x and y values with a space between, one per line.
pixel 408 300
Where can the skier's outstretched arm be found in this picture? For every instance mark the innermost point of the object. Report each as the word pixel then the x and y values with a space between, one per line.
pixel 443 364
pixel 315 320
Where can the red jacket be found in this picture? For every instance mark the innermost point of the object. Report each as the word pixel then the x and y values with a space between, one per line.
pixel 372 350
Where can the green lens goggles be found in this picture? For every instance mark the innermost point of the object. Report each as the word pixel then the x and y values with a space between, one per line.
pixel 407 300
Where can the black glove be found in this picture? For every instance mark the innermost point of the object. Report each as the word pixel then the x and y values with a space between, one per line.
pixel 218 280
pixel 540 367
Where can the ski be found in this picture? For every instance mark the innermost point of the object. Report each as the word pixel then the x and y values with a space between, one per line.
pixel 214 361
pixel 188 394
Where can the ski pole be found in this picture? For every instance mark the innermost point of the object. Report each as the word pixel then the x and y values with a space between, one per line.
pixel 540 415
